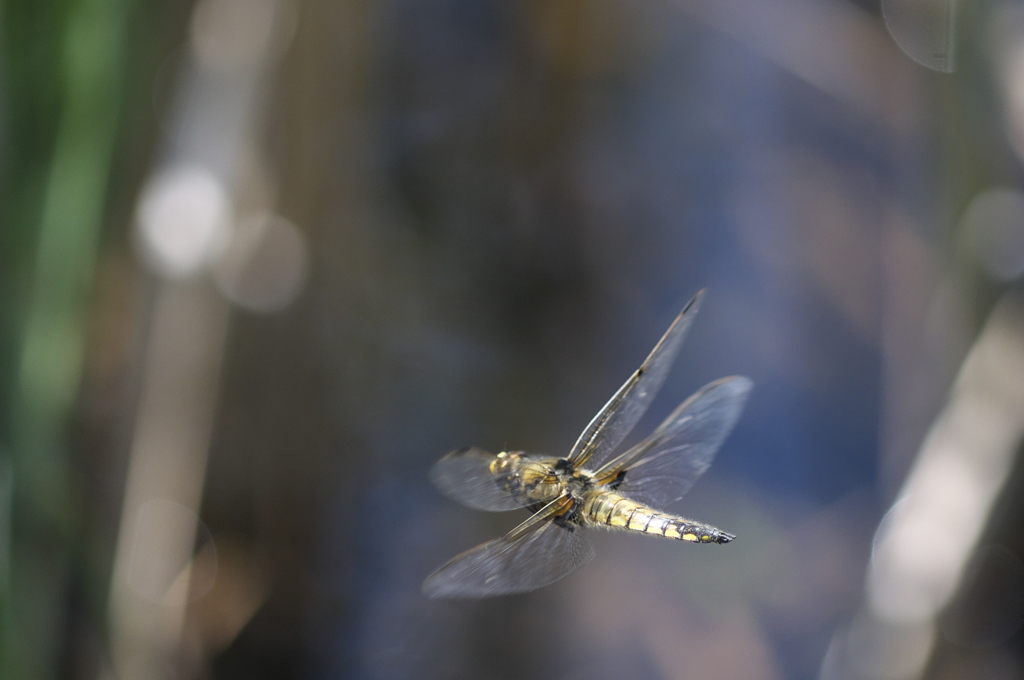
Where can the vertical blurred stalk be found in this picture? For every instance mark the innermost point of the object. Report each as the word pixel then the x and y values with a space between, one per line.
pixel 199 186
pixel 35 556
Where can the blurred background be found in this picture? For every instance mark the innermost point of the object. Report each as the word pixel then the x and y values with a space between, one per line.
pixel 263 261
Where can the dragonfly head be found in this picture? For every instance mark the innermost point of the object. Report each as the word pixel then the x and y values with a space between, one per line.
pixel 563 465
pixel 503 462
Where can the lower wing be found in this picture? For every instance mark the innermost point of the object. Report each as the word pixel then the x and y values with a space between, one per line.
pixel 538 552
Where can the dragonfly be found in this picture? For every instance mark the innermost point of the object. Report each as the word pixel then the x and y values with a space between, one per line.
pixel 591 488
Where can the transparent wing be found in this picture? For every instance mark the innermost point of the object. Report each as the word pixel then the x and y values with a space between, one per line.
pixel 613 422
pixel 465 476
pixel 662 468
pixel 536 553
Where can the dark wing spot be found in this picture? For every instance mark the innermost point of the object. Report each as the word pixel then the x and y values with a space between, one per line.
pixel 619 478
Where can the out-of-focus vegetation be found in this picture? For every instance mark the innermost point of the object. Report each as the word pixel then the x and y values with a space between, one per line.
pixel 64 102
pixel 263 261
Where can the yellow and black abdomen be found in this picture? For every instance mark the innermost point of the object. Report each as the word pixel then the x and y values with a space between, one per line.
pixel 610 510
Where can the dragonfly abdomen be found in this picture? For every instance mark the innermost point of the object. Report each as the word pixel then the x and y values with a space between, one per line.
pixel 610 510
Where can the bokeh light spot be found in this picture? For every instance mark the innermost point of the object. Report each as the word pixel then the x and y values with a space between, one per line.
pixel 159 557
pixel 230 34
pixel 925 30
pixel 265 268
pixel 183 220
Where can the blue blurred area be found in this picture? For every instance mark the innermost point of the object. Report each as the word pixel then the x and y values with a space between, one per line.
pixel 558 203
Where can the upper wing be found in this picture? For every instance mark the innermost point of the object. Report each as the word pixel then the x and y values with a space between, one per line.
pixel 663 467
pixel 536 553
pixel 613 422
pixel 465 476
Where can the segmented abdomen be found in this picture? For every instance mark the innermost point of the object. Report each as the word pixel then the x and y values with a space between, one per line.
pixel 611 510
